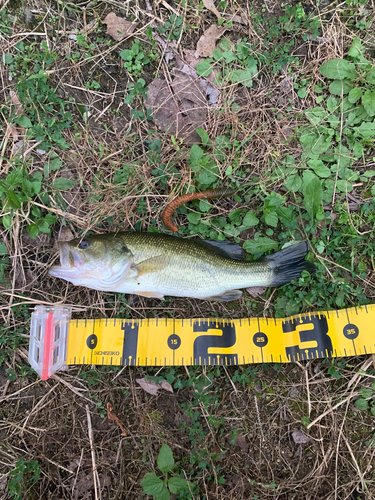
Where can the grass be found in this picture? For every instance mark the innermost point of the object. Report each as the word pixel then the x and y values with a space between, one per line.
pixel 294 133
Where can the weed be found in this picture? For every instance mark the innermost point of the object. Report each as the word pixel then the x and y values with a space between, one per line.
pixel 367 399
pixel 24 475
pixel 136 58
pixel 44 113
pixel 238 65
pixel 172 28
pixel 161 489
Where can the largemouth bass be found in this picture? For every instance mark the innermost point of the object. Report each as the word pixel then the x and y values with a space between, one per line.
pixel 155 265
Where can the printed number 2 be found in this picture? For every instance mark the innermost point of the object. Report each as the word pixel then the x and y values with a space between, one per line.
pixel 318 334
pixel 205 342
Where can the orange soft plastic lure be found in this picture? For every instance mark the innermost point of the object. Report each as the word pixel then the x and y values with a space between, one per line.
pixel 181 200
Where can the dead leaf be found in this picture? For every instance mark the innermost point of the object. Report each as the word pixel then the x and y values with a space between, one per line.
pixel 179 107
pixel 65 234
pixel 112 416
pixel 254 291
pixel 20 148
pixel 240 20
pixel 151 387
pixel 13 132
pixel 118 27
pixel 207 42
pixel 85 484
pixel 242 443
pixel 209 4
pixel 16 101
pixel 299 437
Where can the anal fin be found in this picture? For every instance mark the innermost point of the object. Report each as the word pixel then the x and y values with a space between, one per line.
pixel 151 295
pixel 226 296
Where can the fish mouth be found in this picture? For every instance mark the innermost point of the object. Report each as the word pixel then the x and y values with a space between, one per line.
pixel 70 261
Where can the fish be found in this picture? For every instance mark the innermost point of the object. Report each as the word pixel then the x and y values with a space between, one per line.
pixel 158 265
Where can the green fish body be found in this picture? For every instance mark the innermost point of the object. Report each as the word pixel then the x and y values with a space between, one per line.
pixel 155 265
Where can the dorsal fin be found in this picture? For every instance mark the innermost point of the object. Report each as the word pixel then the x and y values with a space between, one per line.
pixel 227 249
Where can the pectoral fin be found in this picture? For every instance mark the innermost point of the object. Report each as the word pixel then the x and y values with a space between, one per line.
pixel 225 296
pixel 151 295
pixel 150 265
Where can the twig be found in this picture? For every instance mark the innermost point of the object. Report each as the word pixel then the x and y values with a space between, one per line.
pixel 331 409
pixel 112 416
pixel 91 438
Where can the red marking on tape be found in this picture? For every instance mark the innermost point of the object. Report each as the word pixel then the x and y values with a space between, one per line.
pixel 47 352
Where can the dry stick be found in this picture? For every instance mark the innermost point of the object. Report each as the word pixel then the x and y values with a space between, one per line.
pixel 79 466
pixel 341 433
pixel 91 438
pixel 345 269
pixel 364 488
pixel 331 409
pixel 70 386
pixel 258 416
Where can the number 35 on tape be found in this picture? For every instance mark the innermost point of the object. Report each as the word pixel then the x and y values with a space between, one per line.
pixel 56 340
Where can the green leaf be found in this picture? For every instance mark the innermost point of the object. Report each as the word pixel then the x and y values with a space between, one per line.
pixel 332 104
pixel 319 168
pixel 177 485
pixel 293 183
pixel 3 249
pixel 24 121
pixel 63 183
pixel 204 206
pixel 193 217
pixel 365 392
pixel 316 115
pixel 250 220
pixel 217 54
pixel 225 44
pixel 340 87
pixel 316 142
pixel 196 153
pixel 261 245
pixel 204 68
pixel 302 93
pixel 229 56
pixel 355 94
pixel 361 404
pixel 7 58
pixel 222 142
pixel 368 101
pixel 203 135
pixel 344 186
pixel 366 130
pixel 313 197
pixel 165 459
pixel 52 165
pixel 370 77
pixel 356 48
pixel 206 177
pixel 287 217
pixel 243 76
pixel 271 219
pixel 152 484
pixel 338 69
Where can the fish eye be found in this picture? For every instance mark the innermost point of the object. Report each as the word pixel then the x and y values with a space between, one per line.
pixel 83 244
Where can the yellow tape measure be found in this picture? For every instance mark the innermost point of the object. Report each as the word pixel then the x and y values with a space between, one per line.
pixel 57 340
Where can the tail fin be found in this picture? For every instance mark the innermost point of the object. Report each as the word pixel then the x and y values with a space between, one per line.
pixel 289 263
